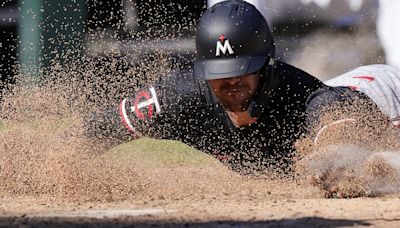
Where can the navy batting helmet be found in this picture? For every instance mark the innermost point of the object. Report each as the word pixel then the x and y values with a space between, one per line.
pixel 233 39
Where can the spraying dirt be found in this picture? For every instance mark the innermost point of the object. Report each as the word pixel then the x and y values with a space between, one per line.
pixel 51 174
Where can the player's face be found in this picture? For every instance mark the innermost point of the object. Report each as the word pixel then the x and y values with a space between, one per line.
pixel 235 93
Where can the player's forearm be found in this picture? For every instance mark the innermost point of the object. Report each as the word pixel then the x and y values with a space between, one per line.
pixel 134 117
pixel 168 109
pixel 106 125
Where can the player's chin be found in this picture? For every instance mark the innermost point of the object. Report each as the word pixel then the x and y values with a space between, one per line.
pixel 235 105
pixel 236 108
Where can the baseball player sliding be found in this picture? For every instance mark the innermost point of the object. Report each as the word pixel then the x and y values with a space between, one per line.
pixel 241 105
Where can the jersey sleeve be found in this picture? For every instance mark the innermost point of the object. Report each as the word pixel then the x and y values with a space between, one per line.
pixel 176 106
pixel 331 108
pixel 105 125
pixel 323 100
pixel 150 110
pixel 162 110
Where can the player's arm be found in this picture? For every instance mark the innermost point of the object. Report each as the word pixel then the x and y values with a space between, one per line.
pixel 339 115
pixel 130 119
pixel 106 125
pixel 343 126
pixel 159 110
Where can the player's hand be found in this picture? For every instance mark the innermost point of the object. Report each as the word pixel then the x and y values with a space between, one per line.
pixel 347 171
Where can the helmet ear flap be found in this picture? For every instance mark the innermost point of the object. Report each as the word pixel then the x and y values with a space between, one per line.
pixel 264 71
pixel 269 82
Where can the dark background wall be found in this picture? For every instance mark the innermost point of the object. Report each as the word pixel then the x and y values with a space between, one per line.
pixel 8 35
pixel 148 13
pixel 155 15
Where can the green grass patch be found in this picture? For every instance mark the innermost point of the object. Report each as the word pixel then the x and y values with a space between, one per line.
pixel 2 126
pixel 160 152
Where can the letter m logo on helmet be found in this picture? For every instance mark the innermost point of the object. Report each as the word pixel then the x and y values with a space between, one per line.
pixel 226 46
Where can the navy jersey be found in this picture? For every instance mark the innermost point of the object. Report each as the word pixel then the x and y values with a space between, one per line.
pixel 182 107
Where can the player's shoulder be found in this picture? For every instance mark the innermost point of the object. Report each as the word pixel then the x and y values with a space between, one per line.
pixel 328 95
pixel 299 81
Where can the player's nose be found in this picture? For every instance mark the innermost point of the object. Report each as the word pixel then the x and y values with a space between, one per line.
pixel 232 80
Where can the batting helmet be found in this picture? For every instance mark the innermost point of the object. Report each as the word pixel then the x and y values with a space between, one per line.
pixel 233 39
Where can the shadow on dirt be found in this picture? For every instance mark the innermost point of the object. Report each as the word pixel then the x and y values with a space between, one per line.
pixel 133 222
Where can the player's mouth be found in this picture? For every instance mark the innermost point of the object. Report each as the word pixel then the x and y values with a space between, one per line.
pixel 235 91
